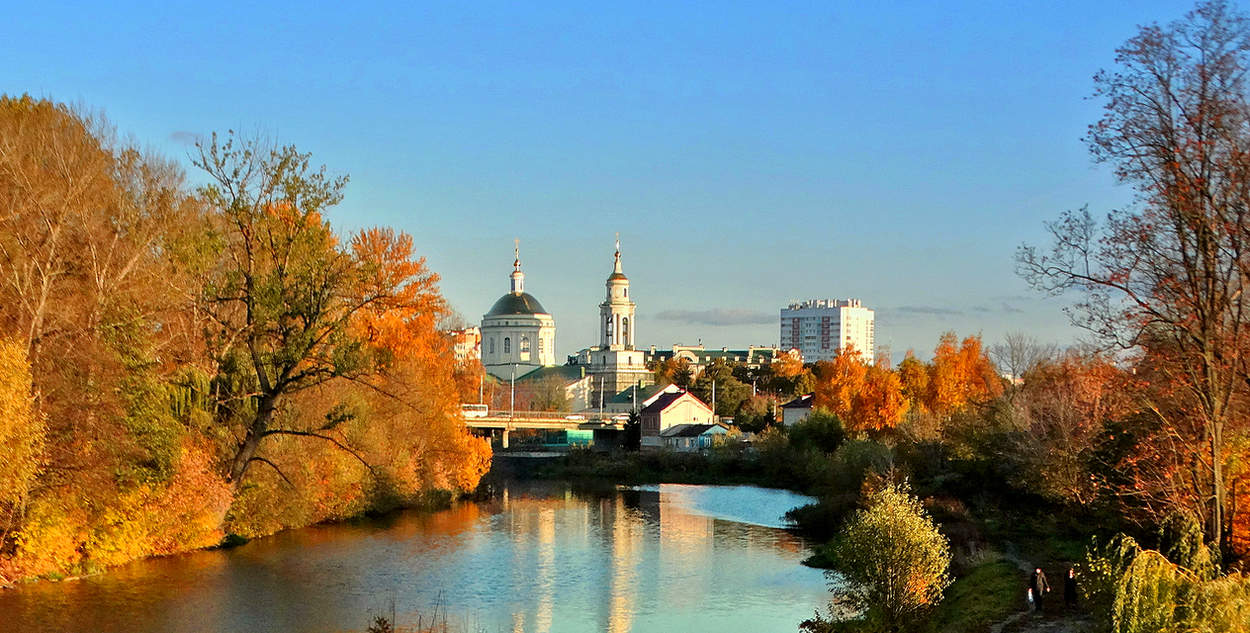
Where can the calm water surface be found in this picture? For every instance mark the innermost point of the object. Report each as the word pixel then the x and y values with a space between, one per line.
pixel 538 558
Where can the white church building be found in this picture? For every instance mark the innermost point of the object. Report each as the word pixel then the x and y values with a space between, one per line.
pixel 518 334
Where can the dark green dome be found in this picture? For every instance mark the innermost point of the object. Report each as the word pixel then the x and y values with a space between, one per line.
pixel 513 303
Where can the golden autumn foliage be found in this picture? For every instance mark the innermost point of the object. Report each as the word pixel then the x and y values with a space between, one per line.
pixel 122 317
pixel 21 438
pixel 961 374
pixel 865 397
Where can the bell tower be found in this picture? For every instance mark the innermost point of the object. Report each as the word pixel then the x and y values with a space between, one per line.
pixel 616 313
pixel 615 365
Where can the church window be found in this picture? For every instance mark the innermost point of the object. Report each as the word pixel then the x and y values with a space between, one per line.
pixel 625 330
pixel 525 344
pixel 492 345
pixel 507 345
pixel 626 292
pixel 541 340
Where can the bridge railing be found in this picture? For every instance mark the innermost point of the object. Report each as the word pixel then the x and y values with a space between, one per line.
pixel 551 415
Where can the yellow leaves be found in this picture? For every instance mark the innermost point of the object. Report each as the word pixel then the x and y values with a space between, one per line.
pixel 21 429
pixel 67 532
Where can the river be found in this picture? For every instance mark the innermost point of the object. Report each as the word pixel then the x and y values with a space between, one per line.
pixel 537 558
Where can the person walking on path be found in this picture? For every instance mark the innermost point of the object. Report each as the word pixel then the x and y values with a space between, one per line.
pixel 1069 589
pixel 1037 582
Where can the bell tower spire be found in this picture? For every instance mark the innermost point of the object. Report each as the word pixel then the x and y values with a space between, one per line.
pixel 518 277
pixel 617 311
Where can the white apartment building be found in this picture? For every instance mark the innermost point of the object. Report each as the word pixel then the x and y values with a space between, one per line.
pixel 818 328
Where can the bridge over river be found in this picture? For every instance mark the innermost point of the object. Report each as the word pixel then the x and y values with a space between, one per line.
pixel 506 421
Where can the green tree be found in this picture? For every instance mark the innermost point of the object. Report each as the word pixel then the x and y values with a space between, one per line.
pixel 282 292
pixel 730 392
pixel 821 431
pixel 891 561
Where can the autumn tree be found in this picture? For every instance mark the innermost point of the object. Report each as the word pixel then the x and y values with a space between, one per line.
pixel 1019 352
pixel 21 437
pixel 880 404
pixel 285 296
pixel 1065 404
pixel 839 382
pixel 1165 278
pixel 961 374
pixel 915 378
pixel 674 370
pixel 865 397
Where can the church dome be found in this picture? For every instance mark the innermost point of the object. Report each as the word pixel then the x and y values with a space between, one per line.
pixel 516 303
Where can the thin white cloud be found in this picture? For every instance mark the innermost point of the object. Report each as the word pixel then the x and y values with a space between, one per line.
pixel 719 316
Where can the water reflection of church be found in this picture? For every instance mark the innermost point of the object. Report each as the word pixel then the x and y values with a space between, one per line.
pixel 654 550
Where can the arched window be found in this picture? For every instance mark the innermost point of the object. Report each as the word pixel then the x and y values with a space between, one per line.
pixel 525 344
pixel 609 329
pixel 625 330
pixel 492 345
pixel 627 292
pixel 507 345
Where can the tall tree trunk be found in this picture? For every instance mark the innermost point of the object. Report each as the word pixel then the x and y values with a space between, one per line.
pixel 247 449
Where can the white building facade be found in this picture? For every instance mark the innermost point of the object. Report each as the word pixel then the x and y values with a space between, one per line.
pixel 820 328
pixel 518 334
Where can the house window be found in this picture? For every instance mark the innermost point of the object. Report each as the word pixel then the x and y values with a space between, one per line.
pixel 507 345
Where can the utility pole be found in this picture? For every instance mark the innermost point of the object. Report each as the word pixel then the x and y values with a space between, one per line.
pixel 713 397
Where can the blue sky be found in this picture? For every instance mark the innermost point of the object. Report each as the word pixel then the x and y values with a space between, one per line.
pixel 748 154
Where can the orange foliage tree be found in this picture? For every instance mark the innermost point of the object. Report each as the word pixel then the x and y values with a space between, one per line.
pixel 961 374
pixel 866 397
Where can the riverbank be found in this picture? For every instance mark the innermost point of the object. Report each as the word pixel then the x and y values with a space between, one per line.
pixel 994 535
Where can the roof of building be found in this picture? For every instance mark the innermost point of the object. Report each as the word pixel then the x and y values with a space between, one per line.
pixel 566 374
pixel 801 402
pixel 639 395
pixel 692 430
pixel 617 276
pixel 517 303
pixel 666 400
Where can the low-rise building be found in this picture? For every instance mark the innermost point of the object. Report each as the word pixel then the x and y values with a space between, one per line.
pixel 699 357
pixel 466 344
pixel 796 410
pixel 668 410
pixel 691 438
